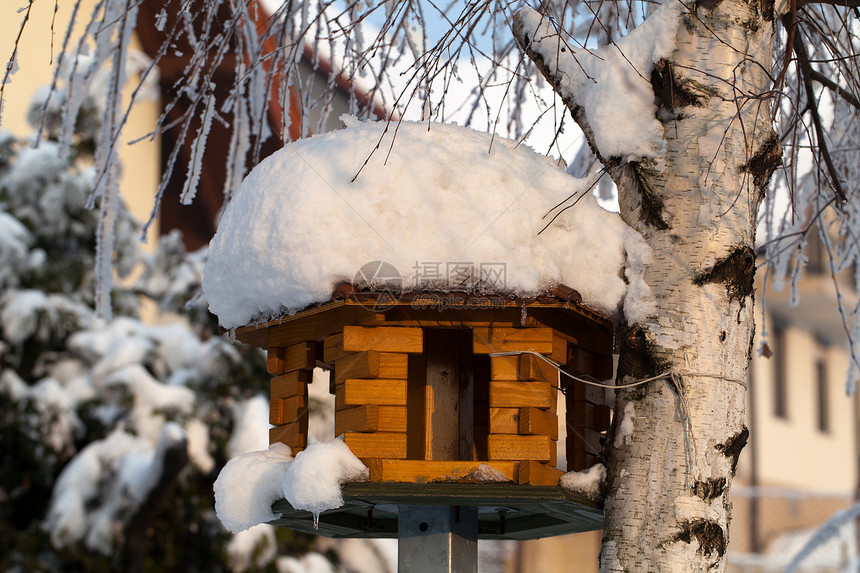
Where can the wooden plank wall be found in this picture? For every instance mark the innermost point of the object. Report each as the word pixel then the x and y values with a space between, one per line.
pixel 292 369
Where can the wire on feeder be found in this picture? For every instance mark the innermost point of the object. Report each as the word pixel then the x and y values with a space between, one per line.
pixel 606 384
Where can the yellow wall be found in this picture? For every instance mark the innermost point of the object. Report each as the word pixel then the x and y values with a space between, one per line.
pixel 792 452
pixel 141 163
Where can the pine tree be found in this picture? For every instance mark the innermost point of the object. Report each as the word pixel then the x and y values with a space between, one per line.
pixel 111 432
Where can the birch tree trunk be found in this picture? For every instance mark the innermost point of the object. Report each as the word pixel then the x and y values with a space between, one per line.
pixel 675 442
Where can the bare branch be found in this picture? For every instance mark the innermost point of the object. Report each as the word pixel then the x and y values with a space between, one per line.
pixel 805 70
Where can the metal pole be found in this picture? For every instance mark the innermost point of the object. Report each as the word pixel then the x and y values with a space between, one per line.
pixel 437 539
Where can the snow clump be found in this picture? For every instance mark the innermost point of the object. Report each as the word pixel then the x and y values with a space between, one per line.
pixel 249 484
pixel 312 214
pixel 587 482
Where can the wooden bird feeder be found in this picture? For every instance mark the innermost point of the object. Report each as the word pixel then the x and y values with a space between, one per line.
pixel 422 401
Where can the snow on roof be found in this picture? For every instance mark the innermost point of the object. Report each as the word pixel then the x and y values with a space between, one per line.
pixel 447 207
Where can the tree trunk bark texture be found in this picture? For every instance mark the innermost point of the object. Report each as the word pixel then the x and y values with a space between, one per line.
pixel 674 443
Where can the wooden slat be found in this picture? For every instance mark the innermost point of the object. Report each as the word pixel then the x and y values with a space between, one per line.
pixel 358 365
pixel 442 396
pixel 582 448
pixel 314 324
pixel 422 471
pixel 386 445
pixel 378 391
pixel 489 340
pixel 291 384
pixel 392 418
pixel 535 473
pixel 383 338
pixel 580 392
pixel 286 410
pixel 415 405
pixel 372 364
pixel 559 349
pixel 599 365
pixel 506 447
pixel 509 394
pixel 299 356
pixel 357 419
pixel 579 460
pixel 523 368
pixel 504 420
pixel 275 360
pixel 585 415
pixel 533 421
pixel 393 365
pixel 294 435
pixel 370 418
pixel 333 348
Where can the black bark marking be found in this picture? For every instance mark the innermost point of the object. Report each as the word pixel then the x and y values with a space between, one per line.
pixel 765 161
pixel 670 94
pixel 709 4
pixel 733 446
pixel 651 203
pixel 709 534
pixel 736 272
pixel 766 7
pixel 710 489
pixel 636 359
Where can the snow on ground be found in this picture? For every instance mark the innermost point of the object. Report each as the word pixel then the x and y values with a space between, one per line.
pixel 439 195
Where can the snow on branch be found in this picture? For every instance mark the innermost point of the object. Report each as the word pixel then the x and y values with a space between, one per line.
pixel 612 84
pixel 827 531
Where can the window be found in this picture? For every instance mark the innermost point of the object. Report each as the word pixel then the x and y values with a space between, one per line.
pixel 822 395
pixel 780 389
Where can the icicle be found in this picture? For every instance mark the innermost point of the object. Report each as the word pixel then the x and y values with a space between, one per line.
pixel 316 520
pixel 198 148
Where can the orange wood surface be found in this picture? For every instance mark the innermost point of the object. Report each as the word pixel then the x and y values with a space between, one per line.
pixel 510 394
pixel 489 340
pixel 442 396
pixel 559 350
pixel 383 392
pixel 383 338
pixel 299 356
pixel 504 420
pixel 370 418
pixel 424 471
pixel 358 365
pixel 294 435
pixel 333 348
pixel 536 473
pixel 275 360
pixel 533 421
pixel 291 384
pixel 386 445
pixel 372 364
pixel 286 410
pixel 507 447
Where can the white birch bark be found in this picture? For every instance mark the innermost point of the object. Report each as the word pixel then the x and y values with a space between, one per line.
pixel 667 504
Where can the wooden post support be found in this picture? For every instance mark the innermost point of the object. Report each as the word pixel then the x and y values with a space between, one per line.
pixel 437 539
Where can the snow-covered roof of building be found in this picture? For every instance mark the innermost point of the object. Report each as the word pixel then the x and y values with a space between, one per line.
pixel 446 207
